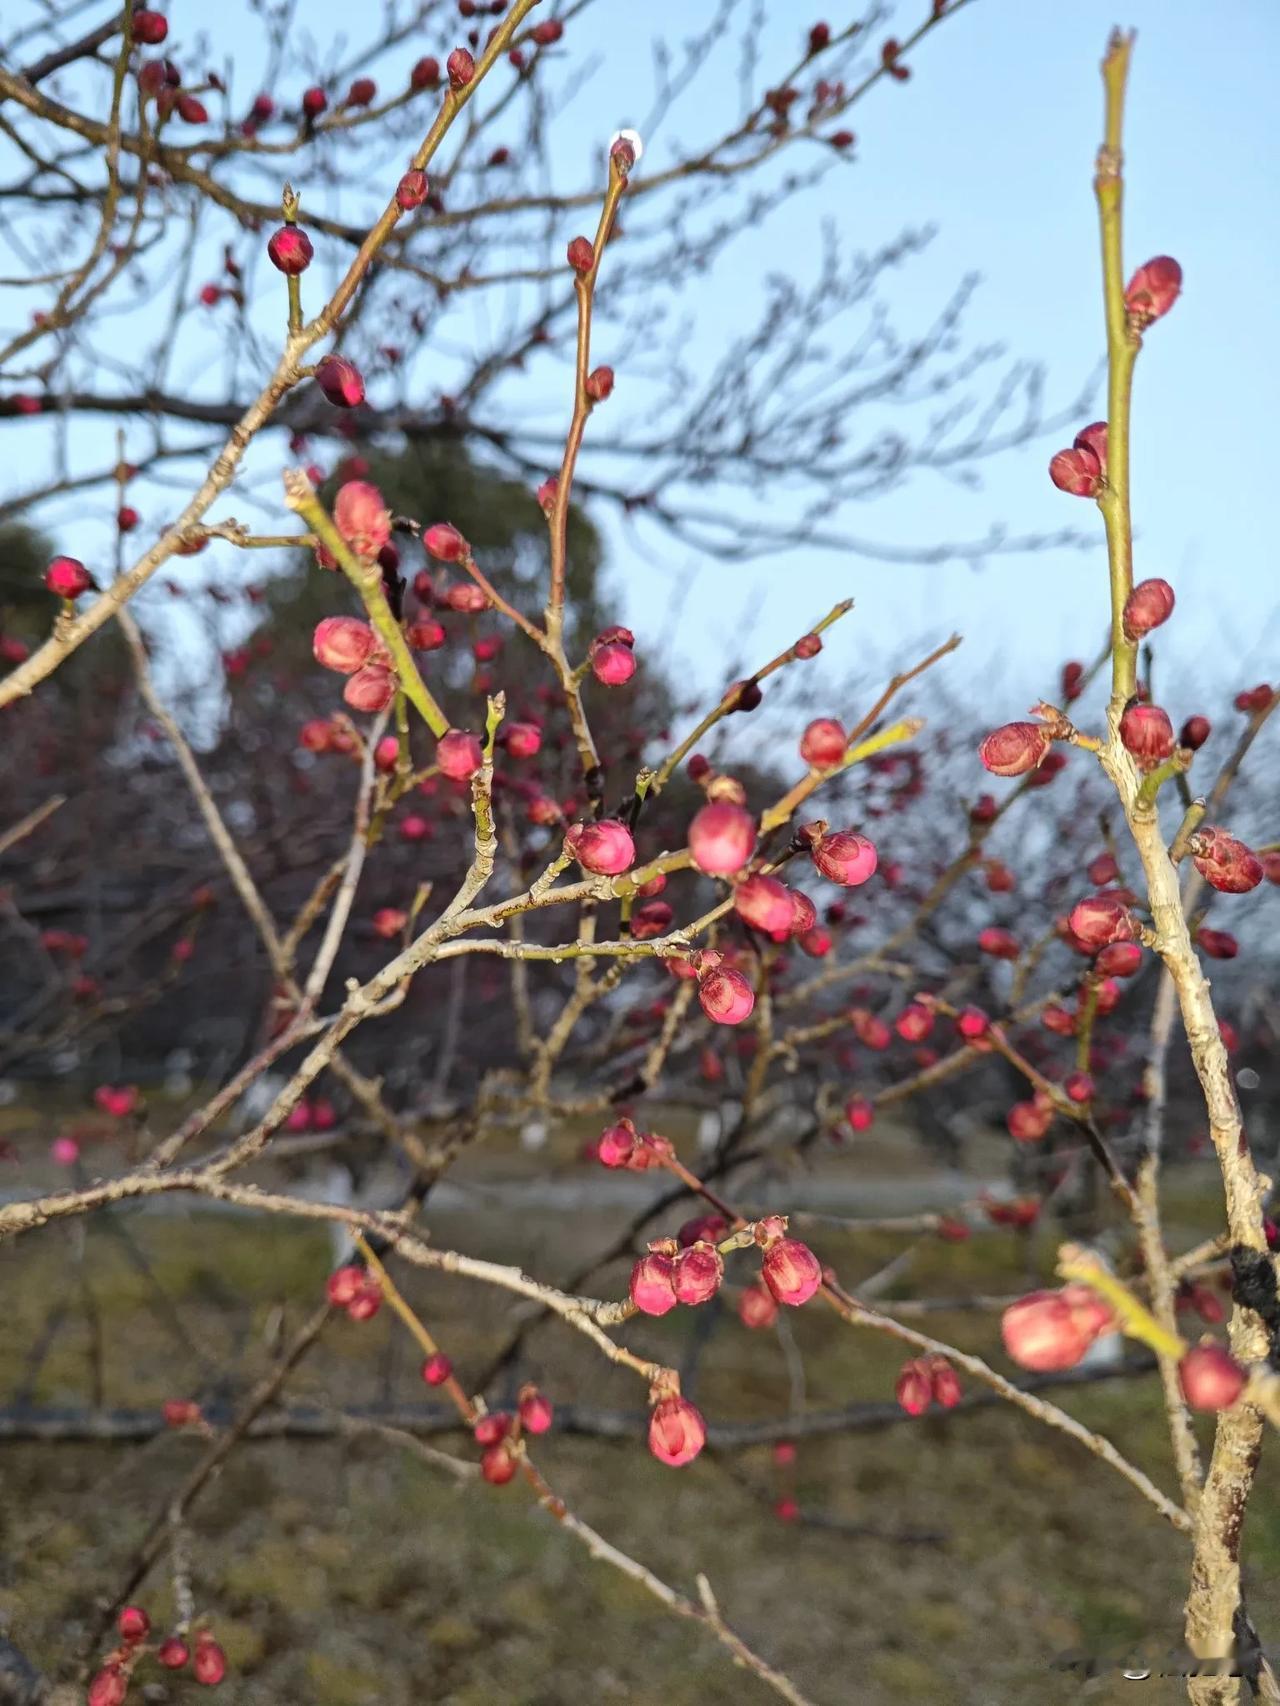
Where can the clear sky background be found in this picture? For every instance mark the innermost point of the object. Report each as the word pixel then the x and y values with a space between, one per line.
pixel 993 140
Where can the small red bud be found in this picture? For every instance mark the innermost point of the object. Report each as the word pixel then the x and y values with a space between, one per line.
pixel 210 1663
pixel 343 643
pixel 445 543
pixel 1210 1377
pixel 999 944
pixel 425 74
pixel 914 1387
pixel 340 381
pixel 1194 733
pixel 791 1271
pixel 1099 919
pixel 725 996
pixel 411 191
pixel 844 857
pixel 599 384
pixel 1224 862
pixel 361 92
pixel 173 1653
pixel 290 250
pixel 1015 748
pixel 459 755
pixel 823 743
pixel 1147 732
pixel 677 1432
pixel 536 1412
pixel 461 68
pixel 1153 290
pixel 67 577
pixel 314 102
pixel 1147 606
pixel 149 28
pixel 808 646
pixel 722 838
pixel 581 255
pixel 605 848
pixel 133 1623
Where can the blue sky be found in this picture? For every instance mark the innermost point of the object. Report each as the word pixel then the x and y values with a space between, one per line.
pixel 992 139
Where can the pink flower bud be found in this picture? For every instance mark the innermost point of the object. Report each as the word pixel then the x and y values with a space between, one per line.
pixel 290 250
pixel 616 1144
pixel 999 944
pixel 844 857
pixel 191 111
pixel 823 743
pixel 127 518
pixel 1119 959
pixel 764 903
pixel 498 1463
pixel 173 1653
pixel 972 1023
pixel 340 381
pixel 1077 471
pixel 1153 290
pixel 581 255
pixel 425 73
pixel 652 919
pixel 209 1665
pixel 1218 944
pixel 314 102
pixel 808 646
pixel 1015 748
pixel 547 32
pixel 459 755
pixel 860 1113
pixel 437 1369
pixel 605 848
pixel 947 1390
pixel 109 1687
pixel 803 914
pixel 1210 1377
pixel 612 661
pixel 412 189
pixel 345 1283
pixel 914 1387
pixel 536 1412
pixel 652 1285
pixel 133 1623
pixel 370 689
pixel 1079 1086
pixel 342 643
pixel 914 1023
pixel 1224 862
pixel 599 384
pixel 677 1432
pixel 461 68
pixel 1147 606
pixel 67 577
pixel 725 996
pixel 1028 1121
pixel 1093 438
pixel 698 1271
pixel 1254 699
pixel 426 634
pixel 362 517
pixel 491 1428
pixel 722 837
pixel 757 1307
pixel 1099 919
pixel 445 543
pixel 1146 732
pixel 388 922
pixel 1050 1330
pixel 1102 870
pixel 791 1271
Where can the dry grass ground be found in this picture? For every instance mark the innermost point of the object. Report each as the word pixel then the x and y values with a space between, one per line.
pixel 349 1573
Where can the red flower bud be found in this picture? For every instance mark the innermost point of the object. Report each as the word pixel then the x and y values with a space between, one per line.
pixel 605 848
pixel 67 577
pixel 808 646
pixel 173 1653
pixel 1119 959
pixel 1224 862
pixel 844 857
pixel 411 191
pixel 1153 290
pixel 972 1023
pixel 598 384
pixel 1147 732
pixel 459 755
pixel 722 837
pixel 1102 870
pixel 461 68
pixel 210 1663
pixel 860 1113
pixel 361 92
pixel 1254 699
pixel 757 1307
pixel 547 32
pixel 947 1390
pixel 192 111
pixel 1077 471
pixel 581 255
pixel 109 1687
pixel 1218 944
pixel 999 944
pixel 613 662
pixel 290 250
pixel 1210 1377
pixel 677 1432
pixel 437 1369
pixel 1028 1121
pixel 1194 733
pixel 698 1271
pixel 617 1144
pixel 343 643
pixel 1099 919
pixel 425 74
pixel 1015 748
pixel 340 381
pixel 652 919
pixel 314 102
pixel 791 1271
pixel 1079 1086
pixel 1093 438
pixel 1147 606
pixel 498 1463
pixel 149 28
pixel 823 743
pixel 914 1023
pixel 133 1623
